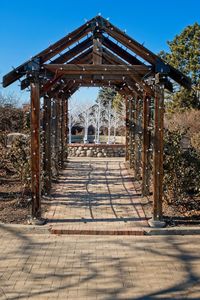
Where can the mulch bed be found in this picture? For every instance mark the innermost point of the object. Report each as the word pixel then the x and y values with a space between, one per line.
pixel 13 209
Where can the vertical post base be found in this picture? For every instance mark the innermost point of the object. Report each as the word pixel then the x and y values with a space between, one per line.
pixel 156 223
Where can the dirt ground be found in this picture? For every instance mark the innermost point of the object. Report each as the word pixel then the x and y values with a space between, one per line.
pixel 13 209
pixel 187 214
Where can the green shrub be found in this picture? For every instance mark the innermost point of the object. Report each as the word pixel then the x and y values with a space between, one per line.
pixel 181 169
pixel 19 156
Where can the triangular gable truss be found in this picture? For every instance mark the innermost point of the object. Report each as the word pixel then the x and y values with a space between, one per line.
pixel 83 53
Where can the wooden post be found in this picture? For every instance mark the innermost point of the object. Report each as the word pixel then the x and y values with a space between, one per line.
pixel 127 130
pixel 57 135
pixel 35 150
pixel 60 142
pixel 131 133
pixel 54 121
pixel 47 144
pixel 137 142
pixel 158 152
pixel 63 131
pixel 146 146
pixel 67 127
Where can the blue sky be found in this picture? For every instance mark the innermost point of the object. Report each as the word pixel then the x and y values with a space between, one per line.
pixel 27 27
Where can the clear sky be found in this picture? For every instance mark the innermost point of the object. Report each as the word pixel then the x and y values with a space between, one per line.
pixel 29 26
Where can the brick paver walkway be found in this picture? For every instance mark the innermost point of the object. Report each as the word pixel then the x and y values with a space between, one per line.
pixel 46 266
pixel 95 195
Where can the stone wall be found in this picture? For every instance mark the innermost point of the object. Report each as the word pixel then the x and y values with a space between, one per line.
pixel 92 150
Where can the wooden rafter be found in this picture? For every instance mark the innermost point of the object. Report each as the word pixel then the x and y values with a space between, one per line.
pixel 85 57
pixel 100 25
pixel 48 53
pixel 133 79
pixel 120 52
pixel 144 53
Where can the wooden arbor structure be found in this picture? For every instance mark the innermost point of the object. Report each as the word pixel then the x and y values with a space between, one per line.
pixel 97 54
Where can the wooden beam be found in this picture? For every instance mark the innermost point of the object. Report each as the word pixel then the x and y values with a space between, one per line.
pixel 135 72
pixel 144 53
pixel 47 144
pixel 112 58
pixel 48 53
pixel 96 69
pixel 129 42
pixel 136 78
pixel 158 153
pixel 35 150
pixel 78 49
pixel 120 52
pixel 84 57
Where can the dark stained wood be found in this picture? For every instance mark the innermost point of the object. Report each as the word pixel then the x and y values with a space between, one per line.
pixel 145 146
pixel 63 131
pixel 130 43
pixel 67 124
pixel 134 77
pixel 126 56
pixel 97 49
pixel 68 89
pixel 97 24
pixel 158 153
pixel 161 150
pixel 112 58
pixel 85 57
pixel 89 77
pixel 59 131
pixel 127 129
pixel 54 138
pixel 131 133
pixel 96 69
pixel 137 137
pixel 47 144
pixel 48 53
pixel 73 52
pixel 35 150
pixel 145 53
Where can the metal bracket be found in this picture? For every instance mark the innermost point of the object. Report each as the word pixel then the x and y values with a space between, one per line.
pixel 33 65
pixel 161 67
pixel 161 78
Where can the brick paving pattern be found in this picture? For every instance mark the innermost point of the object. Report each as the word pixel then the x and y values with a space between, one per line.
pixel 46 266
pixel 95 195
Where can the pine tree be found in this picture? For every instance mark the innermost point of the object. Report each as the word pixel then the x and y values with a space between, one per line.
pixel 106 94
pixel 185 56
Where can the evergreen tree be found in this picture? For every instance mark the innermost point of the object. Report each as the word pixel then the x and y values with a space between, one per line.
pixel 106 94
pixel 119 104
pixel 185 56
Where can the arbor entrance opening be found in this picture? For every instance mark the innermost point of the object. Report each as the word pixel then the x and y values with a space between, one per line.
pixel 97 53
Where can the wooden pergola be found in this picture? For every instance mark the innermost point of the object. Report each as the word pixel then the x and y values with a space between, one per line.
pixel 97 54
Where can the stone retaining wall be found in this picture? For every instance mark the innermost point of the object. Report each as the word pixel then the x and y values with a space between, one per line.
pixel 92 150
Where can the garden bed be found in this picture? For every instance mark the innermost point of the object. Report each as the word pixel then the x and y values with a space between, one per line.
pixel 12 208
